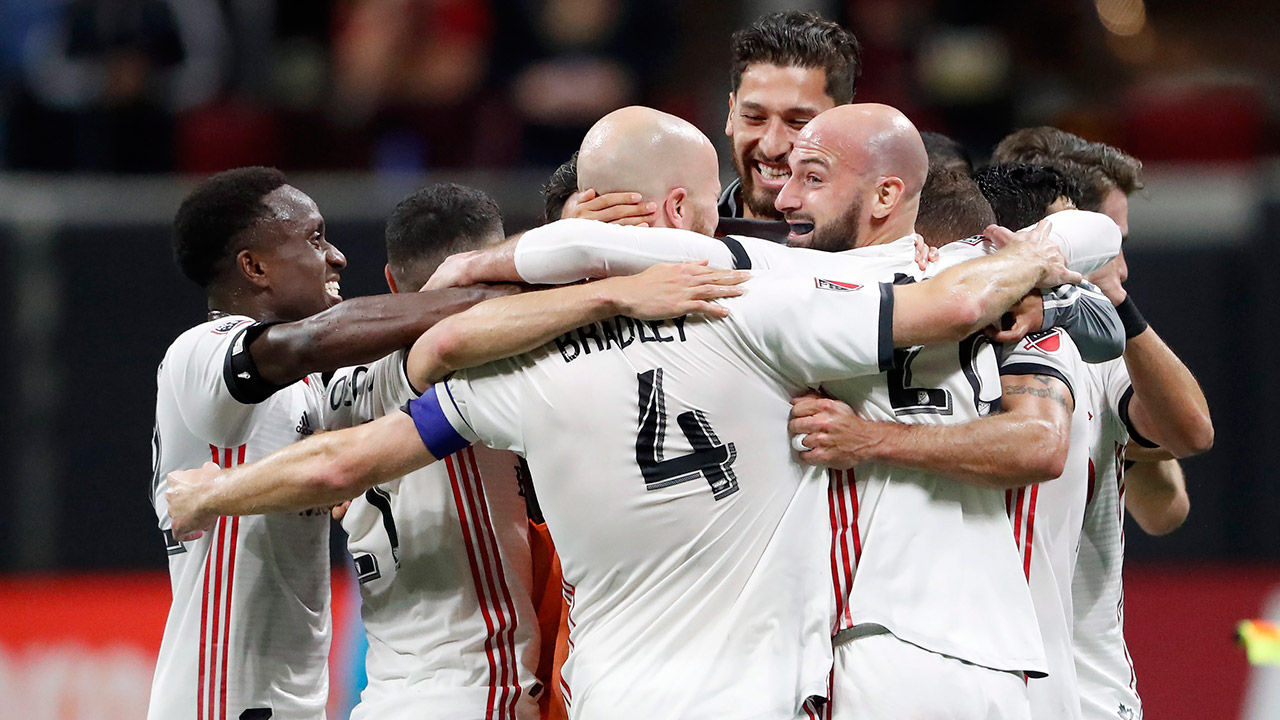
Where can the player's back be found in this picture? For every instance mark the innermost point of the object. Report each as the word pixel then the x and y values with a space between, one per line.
pixel 248 631
pixel 693 544
pixel 442 558
pixel 1108 683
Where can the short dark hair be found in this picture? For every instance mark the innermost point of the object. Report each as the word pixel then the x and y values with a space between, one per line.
pixel 561 186
pixel 218 210
pixel 1021 194
pixel 1097 168
pixel 946 152
pixel 951 207
pixel 435 222
pixel 802 39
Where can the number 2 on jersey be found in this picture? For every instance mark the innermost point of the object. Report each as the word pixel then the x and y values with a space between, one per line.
pixel 710 458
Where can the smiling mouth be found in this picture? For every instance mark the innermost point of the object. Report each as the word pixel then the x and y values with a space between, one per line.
pixel 800 228
pixel 773 174
pixel 333 289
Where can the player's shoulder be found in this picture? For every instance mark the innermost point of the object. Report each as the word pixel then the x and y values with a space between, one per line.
pixel 213 332
pixel 1054 343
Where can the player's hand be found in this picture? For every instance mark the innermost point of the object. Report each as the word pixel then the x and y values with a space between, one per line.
pixel 186 489
pixel 1035 245
pixel 827 432
pixel 455 271
pixel 924 253
pixel 1027 316
pixel 670 290
pixel 339 511
pixel 619 208
pixel 1110 279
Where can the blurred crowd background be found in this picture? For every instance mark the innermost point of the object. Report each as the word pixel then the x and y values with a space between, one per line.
pixel 193 86
pixel 110 109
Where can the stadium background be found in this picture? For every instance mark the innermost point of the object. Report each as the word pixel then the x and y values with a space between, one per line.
pixel 110 108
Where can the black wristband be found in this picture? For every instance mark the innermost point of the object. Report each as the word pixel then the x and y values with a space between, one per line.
pixel 1134 323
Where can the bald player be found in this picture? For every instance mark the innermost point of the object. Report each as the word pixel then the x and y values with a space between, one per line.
pixel 862 170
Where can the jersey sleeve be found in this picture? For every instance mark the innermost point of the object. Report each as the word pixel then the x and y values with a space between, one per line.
pixel 481 405
pixel 1050 352
pixel 818 329
pixel 215 380
pixel 362 393
pixel 567 251
pixel 1088 240
pixel 1089 317
pixel 1118 391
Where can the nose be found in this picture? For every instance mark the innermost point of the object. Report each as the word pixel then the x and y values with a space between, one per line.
pixel 777 139
pixel 788 199
pixel 334 257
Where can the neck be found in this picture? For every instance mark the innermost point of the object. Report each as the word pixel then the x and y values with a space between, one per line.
pixel 239 301
pixel 886 231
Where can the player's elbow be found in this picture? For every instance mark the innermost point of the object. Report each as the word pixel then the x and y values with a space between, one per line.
pixel 1044 454
pixel 1166 519
pixel 1200 435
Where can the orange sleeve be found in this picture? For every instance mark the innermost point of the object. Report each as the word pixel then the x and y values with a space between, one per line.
pixel 548 600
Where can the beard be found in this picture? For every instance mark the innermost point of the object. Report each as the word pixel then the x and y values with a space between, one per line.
pixel 840 234
pixel 760 201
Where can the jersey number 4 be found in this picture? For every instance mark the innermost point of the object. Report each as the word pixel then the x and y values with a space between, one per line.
pixel 710 458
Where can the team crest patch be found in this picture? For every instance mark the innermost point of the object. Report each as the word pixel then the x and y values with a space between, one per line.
pixel 835 285
pixel 227 327
pixel 1048 341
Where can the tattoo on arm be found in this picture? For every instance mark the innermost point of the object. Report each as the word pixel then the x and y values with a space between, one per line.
pixel 1049 393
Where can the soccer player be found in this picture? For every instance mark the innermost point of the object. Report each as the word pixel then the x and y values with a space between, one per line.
pixel 443 560
pixel 248 631
pixel 677 610
pixel 887 148
pixel 1148 394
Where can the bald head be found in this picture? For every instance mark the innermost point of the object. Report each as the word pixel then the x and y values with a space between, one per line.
pixel 876 139
pixel 639 149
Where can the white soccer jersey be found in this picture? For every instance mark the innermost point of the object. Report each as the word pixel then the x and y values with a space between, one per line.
pixel 693 544
pixel 1108 684
pixel 248 633
pixel 923 555
pixel 1047 518
pixel 445 573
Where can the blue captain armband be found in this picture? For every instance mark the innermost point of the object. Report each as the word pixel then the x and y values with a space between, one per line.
pixel 433 425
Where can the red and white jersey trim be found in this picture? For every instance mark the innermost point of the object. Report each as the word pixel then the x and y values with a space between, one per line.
pixel 846 544
pixel 491 585
pixel 215 608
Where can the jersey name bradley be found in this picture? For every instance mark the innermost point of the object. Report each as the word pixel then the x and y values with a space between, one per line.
pixel 618 332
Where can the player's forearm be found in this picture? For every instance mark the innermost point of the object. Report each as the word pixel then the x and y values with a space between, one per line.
pixel 1168 406
pixel 503 327
pixel 963 299
pixel 1156 496
pixel 360 330
pixel 325 469
pixel 1000 451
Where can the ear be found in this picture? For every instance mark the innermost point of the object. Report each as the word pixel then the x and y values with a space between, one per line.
pixel 391 281
pixel 673 207
pixel 728 121
pixel 889 193
pixel 252 265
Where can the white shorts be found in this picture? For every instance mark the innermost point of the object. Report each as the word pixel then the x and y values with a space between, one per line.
pixel 880 676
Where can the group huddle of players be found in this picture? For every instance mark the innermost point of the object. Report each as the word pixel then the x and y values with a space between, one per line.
pixel 836 442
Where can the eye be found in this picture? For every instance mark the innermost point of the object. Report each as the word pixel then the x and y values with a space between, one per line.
pixel 812 179
pixel 753 118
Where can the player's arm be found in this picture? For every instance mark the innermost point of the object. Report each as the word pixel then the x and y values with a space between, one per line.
pixel 1156 496
pixel 1168 408
pixel 567 251
pixel 324 469
pixel 1026 443
pixel 963 299
pixel 356 331
pixel 508 326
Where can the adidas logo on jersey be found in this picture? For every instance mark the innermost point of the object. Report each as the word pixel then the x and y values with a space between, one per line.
pixel 1047 341
pixel 304 425
pixel 822 284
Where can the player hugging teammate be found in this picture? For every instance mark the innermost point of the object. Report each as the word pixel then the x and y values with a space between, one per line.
pixel 850 475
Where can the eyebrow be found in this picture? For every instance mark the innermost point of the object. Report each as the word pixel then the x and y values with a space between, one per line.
pixel 818 160
pixel 799 110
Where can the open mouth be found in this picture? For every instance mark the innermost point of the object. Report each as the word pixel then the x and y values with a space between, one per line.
pixel 772 175
pixel 800 229
pixel 333 289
